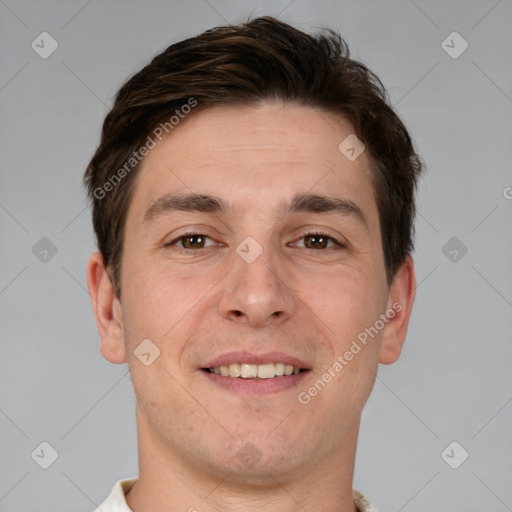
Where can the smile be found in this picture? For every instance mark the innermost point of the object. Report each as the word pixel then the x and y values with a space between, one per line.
pixel 255 371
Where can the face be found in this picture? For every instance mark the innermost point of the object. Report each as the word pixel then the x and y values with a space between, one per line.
pixel 281 264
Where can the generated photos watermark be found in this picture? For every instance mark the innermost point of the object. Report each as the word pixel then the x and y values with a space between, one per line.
pixel 305 397
pixel 136 157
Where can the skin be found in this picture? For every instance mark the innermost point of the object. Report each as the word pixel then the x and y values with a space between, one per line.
pixel 198 305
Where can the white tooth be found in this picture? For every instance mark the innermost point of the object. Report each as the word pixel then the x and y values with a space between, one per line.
pixel 249 371
pixel 234 370
pixel 252 371
pixel 266 371
pixel 216 370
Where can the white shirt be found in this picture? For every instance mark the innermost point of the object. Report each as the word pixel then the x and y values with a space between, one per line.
pixel 116 502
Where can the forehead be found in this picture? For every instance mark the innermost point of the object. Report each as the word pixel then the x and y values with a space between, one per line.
pixel 253 156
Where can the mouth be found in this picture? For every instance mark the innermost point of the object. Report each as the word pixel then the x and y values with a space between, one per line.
pixel 249 374
pixel 255 371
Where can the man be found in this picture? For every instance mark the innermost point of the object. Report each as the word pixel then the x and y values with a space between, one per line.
pixel 253 202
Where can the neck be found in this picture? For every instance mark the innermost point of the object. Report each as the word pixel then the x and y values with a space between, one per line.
pixel 169 483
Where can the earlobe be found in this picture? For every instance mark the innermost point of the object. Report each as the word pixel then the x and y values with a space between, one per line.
pixel 107 310
pixel 400 301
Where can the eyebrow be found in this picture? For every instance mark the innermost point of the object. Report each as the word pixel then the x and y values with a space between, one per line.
pixel 300 203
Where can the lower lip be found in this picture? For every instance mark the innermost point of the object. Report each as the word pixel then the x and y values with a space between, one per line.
pixel 256 386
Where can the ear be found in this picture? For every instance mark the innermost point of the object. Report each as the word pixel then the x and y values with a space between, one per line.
pixel 399 307
pixel 107 310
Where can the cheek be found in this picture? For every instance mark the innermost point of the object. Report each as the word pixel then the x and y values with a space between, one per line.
pixel 158 299
pixel 168 309
pixel 346 302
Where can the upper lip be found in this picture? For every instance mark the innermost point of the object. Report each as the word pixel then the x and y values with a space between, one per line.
pixel 244 356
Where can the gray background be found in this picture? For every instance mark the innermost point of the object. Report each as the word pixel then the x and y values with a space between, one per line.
pixel 453 382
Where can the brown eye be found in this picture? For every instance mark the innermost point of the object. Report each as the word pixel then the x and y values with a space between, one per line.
pixel 315 242
pixel 193 241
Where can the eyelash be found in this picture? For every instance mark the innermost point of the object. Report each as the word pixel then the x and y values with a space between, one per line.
pixel 337 243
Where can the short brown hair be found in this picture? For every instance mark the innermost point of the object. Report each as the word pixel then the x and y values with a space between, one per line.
pixel 263 59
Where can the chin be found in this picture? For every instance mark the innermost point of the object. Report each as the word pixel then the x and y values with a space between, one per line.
pixel 256 460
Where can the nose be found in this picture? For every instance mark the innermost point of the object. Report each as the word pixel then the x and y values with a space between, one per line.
pixel 257 293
